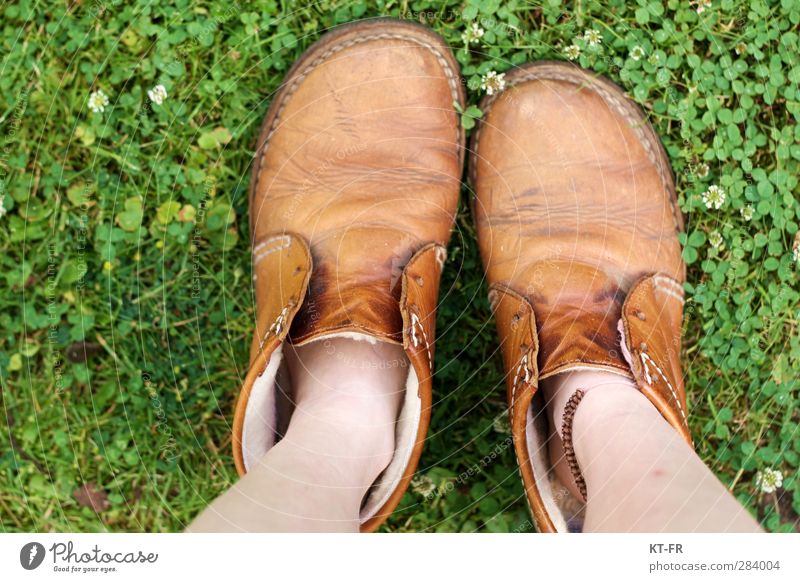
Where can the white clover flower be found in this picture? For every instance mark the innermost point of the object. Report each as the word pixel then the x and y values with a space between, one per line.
pixel 747 212
pixel 702 170
pixel 423 485
pixel 740 48
pixel 473 34
pixel 157 94
pixel 3 209
pixel 98 101
pixel 714 197
pixel 492 82
pixel 592 37
pixel 702 5
pixel 715 239
pixel 796 248
pixel 501 424
pixel 769 480
pixel 637 53
pixel 573 51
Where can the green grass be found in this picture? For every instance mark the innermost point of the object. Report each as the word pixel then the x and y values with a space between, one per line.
pixel 127 230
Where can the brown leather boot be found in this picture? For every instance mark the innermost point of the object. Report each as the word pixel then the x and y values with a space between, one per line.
pixel 353 195
pixel 578 227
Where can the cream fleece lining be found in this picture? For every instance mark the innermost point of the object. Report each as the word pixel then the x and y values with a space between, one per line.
pixel 259 433
pixel 536 437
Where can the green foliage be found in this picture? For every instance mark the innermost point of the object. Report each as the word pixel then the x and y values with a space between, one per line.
pixel 469 116
pixel 126 313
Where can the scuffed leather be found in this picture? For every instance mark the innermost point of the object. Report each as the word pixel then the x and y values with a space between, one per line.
pixel 358 166
pixel 570 209
pixel 420 291
pixel 520 347
pixel 578 306
pixel 651 322
pixel 282 267
pixel 519 342
pixel 361 158
pixel 575 204
pixel 281 270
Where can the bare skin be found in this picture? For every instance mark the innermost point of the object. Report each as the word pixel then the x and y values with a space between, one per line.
pixel 641 476
pixel 340 438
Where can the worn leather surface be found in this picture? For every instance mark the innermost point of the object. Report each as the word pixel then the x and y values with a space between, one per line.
pixel 420 291
pixel 354 191
pixel 574 205
pixel 360 157
pixel 651 326
pixel 282 267
pixel 520 349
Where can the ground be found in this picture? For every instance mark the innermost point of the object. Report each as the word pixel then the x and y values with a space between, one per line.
pixel 126 307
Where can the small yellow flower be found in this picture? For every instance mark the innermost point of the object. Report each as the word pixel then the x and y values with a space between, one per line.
pixel 107 266
pixel 796 248
pixel 701 5
pixel 423 485
pixel 715 239
pixel 98 101
pixel 473 33
pixel 714 197
pixel 592 37
pixel 769 480
pixel 157 94
pixel 493 82
pixel 501 424
pixel 573 51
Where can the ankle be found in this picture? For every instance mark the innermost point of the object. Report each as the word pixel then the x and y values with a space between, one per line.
pixel 357 418
pixel 347 399
pixel 567 396
pixel 602 410
pixel 560 388
pixel 342 454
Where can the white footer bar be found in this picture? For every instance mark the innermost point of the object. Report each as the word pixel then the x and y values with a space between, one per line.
pixel 402 557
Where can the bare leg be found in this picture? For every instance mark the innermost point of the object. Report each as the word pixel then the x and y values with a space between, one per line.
pixel 640 475
pixel 340 438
